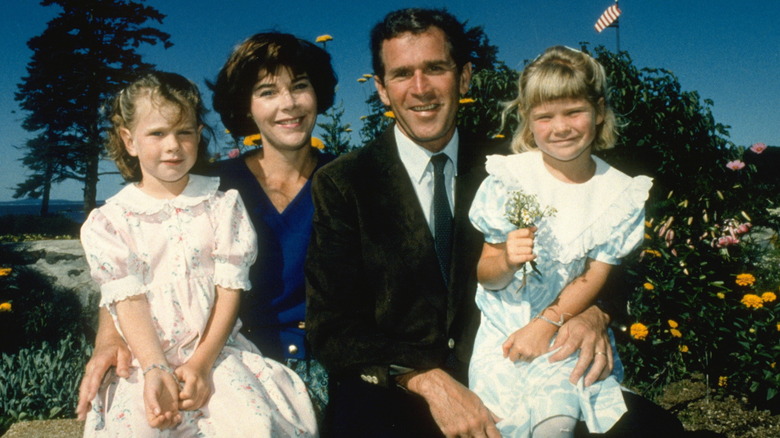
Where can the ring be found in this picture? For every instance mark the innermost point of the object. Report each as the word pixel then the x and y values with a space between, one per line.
pixel 601 352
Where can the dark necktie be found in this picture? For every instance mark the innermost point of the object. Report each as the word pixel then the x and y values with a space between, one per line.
pixel 442 216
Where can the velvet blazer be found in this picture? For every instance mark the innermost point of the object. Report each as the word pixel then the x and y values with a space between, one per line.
pixel 375 294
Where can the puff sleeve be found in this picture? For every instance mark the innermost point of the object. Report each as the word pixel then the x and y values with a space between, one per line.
pixel 487 210
pixel 235 243
pixel 113 261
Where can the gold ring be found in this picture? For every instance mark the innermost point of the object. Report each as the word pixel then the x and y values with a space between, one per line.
pixel 601 352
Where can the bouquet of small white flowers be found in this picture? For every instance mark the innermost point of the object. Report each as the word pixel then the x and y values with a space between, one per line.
pixel 523 210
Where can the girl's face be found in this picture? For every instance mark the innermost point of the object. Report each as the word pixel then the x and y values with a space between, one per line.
pixel 564 129
pixel 166 144
pixel 285 109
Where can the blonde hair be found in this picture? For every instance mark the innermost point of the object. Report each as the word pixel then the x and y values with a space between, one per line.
pixel 169 88
pixel 562 73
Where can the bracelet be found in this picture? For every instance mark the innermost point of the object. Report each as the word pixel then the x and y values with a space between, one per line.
pixel 558 323
pixel 161 367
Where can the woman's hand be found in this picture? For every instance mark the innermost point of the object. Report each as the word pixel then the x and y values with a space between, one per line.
pixel 197 386
pixel 161 399
pixel 529 342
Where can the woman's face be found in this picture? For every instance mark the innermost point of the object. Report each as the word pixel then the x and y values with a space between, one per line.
pixel 285 109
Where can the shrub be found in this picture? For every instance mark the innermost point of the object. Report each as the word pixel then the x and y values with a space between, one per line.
pixel 41 382
pixel 19 227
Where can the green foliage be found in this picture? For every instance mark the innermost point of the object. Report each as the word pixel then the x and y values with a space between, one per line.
pixel 41 382
pixel 376 121
pixel 490 90
pixel 37 312
pixel 19 227
pixel 335 134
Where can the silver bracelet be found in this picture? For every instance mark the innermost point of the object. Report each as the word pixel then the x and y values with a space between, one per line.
pixel 161 367
pixel 546 319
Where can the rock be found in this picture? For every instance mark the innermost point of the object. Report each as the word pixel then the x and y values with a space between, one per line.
pixel 46 428
pixel 63 262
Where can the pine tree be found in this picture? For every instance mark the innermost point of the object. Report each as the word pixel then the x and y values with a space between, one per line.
pixel 85 54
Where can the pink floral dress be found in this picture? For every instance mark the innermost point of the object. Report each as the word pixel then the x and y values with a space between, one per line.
pixel 175 251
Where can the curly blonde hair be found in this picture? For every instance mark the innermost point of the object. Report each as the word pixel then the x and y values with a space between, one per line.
pixel 562 73
pixel 160 87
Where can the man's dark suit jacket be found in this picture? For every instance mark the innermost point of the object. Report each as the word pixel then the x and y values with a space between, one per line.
pixel 375 294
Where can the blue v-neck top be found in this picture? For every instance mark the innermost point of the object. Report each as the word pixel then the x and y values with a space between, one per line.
pixel 272 313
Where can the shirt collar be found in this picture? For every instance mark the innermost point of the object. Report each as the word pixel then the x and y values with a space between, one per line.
pixel 416 158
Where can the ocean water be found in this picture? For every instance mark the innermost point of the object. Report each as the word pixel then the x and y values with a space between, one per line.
pixel 71 209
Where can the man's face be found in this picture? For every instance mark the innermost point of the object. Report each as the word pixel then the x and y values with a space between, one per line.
pixel 422 86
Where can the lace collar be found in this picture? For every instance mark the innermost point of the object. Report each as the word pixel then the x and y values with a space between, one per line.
pixel 199 188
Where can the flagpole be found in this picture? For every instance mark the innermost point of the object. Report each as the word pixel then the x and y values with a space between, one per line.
pixel 617 29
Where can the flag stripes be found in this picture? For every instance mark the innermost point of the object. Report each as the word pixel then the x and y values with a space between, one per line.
pixel 607 18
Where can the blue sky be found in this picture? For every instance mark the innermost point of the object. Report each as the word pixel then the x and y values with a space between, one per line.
pixel 728 51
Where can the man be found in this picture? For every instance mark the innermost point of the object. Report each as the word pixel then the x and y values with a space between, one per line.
pixel 390 317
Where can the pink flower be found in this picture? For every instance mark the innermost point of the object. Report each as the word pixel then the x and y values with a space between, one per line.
pixel 233 153
pixel 758 147
pixel 735 165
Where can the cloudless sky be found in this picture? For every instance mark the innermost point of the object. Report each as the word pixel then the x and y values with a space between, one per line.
pixel 727 50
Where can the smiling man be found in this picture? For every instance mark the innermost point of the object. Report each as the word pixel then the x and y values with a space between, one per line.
pixel 391 269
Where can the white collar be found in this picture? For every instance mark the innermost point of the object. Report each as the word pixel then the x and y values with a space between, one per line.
pixel 416 158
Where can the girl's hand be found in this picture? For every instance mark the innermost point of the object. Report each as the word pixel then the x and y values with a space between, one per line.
pixel 197 386
pixel 520 247
pixel 529 342
pixel 161 399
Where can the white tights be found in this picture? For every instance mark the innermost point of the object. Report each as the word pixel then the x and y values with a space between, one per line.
pixel 561 426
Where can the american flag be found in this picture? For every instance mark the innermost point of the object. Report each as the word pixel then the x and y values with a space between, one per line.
pixel 607 18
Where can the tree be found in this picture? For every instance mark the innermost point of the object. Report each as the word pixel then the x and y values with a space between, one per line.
pixel 86 53
pixel 335 134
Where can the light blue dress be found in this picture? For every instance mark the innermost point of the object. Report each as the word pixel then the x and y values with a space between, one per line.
pixel 602 219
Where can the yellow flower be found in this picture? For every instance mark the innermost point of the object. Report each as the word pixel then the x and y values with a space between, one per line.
pixel 768 297
pixel 4 272
pixel 466 100
pixel 652 252
pixel 390 114
pixel 752 300
pixel 647 236
pixel 5 307
pixel 773 364
pixel 639 331
pixel 723 381
pixel 362 80
pixel 683 348
pixel 778 327
pixel 323 38
pixel 498 136
pixel 317 143
pixel 648 286
pixel 253 140
pixel 745 279
pixel 673 323
pixel 368 75
pixel 721 295
pixel 675 333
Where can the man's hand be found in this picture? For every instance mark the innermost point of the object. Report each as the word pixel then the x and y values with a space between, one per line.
pixel 586 332
pixel 110 350
pixel 457 411
pixel 161 399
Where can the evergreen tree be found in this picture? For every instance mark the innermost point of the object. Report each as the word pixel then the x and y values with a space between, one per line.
pixel 86 53
pixel 335 134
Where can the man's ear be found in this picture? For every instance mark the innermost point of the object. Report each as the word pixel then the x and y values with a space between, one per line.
pixel 127 139
pixel 380 88
pixel 465 78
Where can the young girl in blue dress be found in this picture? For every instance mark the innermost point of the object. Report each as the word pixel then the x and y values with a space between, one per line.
pixel 171 254
pixel 589 216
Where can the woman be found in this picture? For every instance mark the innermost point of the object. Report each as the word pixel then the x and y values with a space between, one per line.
pixel 273 84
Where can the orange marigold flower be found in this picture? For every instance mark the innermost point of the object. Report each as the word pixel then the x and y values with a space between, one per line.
pixel 390 114
pixel 466 100
pixel 253 140
pixel 768 297
pixel 5 307
pixel 745 279
pixel 683 348
pixel 5 272
pixel 639 331
pixel 675 333
pixel 673 323
pixel 752 301
pixel 723 381
pixel 648 286
pixel 317 143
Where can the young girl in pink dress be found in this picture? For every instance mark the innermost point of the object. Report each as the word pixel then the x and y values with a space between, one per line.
pixel 171 254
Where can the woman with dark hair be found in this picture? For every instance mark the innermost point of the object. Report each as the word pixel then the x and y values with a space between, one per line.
pixel 272 84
